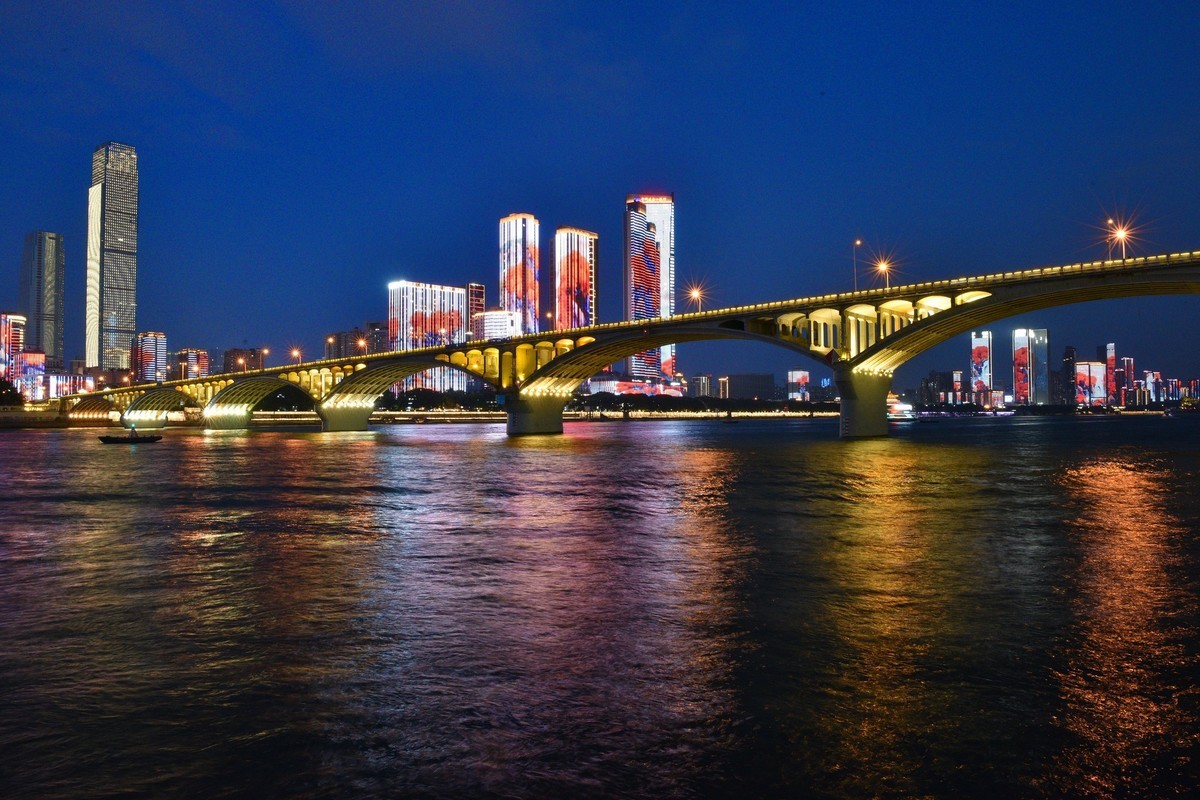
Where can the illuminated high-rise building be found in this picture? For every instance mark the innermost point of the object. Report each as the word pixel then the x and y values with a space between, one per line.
pixel 191 363
pixel 575 253
pixel 1031 378
pixel 797 384
pixel 981 361
pixel 495 324
pixel 476 299
pixel 643 286
pixel 428 315
pixel 149 357
pixel 110 317
pixel 519 268
pixel 42 273
pixel 12 344
pixel 1108 353
pixel 650 292
pixel 1090 383
pixel 377 336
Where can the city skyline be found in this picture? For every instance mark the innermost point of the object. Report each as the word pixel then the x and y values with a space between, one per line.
pixel 874 147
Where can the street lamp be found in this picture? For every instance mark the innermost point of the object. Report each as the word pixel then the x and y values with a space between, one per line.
pixel 362 345
pixel 883 266
pixel 262 361
pixel 1119 234
pixel 697 297
pixel 854 258
pixel 296 354
pixel 242 363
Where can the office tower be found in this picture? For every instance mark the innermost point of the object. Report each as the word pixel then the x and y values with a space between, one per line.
pixel 427 315
pixel 377 336
pixel 1153 386
pixel 476 299
pixel 797 384
pixel 1108 354
pixel 346 344
pixel 652 216
pixel 1064 393
pixel 42 272
pixel 12 344
pixel 575 253
pixel 701 386
pixel 643 285
pixel 191 363
pixel 1126 388
pixel 111 292
pixel 149 357
pixel 981 361
pixel 1090 383
pixel 519 268
pixel 495 325
pixel 1031 379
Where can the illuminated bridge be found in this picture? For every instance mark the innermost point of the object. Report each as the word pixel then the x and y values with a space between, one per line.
pixel 864 336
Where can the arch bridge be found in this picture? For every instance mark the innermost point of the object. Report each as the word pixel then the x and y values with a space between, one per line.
pixel 864 336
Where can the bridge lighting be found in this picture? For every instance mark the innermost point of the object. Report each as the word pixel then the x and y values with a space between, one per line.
pixel 296 354
pixel 242 364
pixel 362 345
pixel 854 257
pixel 883 266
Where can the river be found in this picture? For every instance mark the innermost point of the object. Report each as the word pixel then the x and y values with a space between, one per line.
pixel 979 607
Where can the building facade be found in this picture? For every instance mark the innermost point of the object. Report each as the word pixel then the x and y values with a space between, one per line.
pixel 191 362
pixel 476 299
pixel 43 268
pixel 643 285
pixel 12 344
pixel 428 315
pixel 244 359
pixel 981 361
pixel 110 318
pixel 495 324
pixel 346 344
pixel 519 268
pixel 646 286
pixel 797 385
pixel 1031 368
pixel 149 357
pixel 575 255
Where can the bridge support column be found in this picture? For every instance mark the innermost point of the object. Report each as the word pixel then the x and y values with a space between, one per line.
pixel 864 403
pixel 534 415
pixel 344 418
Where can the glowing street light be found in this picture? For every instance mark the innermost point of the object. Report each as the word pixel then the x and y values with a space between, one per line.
pixel 242 363
pixel 883 266
pixel 362 345
pixel 1118 233
pixel 697 297
pixel 296 354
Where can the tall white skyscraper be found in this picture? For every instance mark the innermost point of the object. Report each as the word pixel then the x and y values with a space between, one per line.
pixel 110 318
pixel 575 253
pixel 42 272
pixel 650 217
pixel 519 268
pixel 428 315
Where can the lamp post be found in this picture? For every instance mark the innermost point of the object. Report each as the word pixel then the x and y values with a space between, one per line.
pixel 697 297
pixel 883 266
pixel 262 359
pixel 296 355
pixel 854 258
pixel 1118 234
pixel 362 345
pixel 242 363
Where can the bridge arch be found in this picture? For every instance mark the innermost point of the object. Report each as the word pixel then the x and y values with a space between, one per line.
pixel 232 407
pixel 152 408
pixel 92 408
pixel 349 405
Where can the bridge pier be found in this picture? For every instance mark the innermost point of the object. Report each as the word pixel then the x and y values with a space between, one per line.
pixel 864 403
pixel 344 418
pixel 529 416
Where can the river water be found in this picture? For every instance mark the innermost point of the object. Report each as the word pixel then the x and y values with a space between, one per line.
pixel 987 607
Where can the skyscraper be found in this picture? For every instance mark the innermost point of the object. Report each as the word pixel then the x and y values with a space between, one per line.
pixel 42 269
pixel 659 214
pixel 575 253
pixel 12 344
pixel 519 268
pixel 427 315
pixel 642 283
pixel 476 299
pixel 981 361
pixel 1031 379
pixel 150 357
pixel 110 317
pixel 191 363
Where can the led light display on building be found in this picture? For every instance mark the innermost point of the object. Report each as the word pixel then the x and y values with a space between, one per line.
pixel 31 369
pixel 1090 383
pixel 1110 362
pixel 495 325
pixel 981 361
pixel 41 292
pixel 519 268
pixel 12 342
pixel 192 363
pixel 574 278
pixel 150 357
pixel 112 246
pixel 428 315
pixel 797 384
pixel 650 273
pixel 1031 379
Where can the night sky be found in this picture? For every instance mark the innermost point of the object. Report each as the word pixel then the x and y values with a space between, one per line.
pixel 296 156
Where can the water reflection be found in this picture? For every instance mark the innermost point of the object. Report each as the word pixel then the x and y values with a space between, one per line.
pixel 1126 672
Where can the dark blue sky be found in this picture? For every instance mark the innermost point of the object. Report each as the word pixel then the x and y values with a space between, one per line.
pixel 295 157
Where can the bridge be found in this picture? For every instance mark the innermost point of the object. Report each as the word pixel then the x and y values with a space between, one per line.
pixel 864 336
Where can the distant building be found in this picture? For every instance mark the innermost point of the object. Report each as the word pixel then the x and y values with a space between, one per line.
pixel 476 299
pixel 575 254
pixel 149 357
pixel 244 359
pixel 700 386
pixel 29 375
pixel 1031 368
pixel 1064 392
pixel 519 268
pixel 649 284
pixel 110 318
pixel 981 362
pixel 751 387
pixel 377 336
pixel 1090 383
pixel 797 385
pixel 191 362
pixel 495 324
pixel 346 344
pixel 428 315
pixel 1108 354
pixel 12 343
pixel 41 292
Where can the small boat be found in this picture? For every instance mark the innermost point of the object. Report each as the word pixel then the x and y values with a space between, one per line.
pixel 131 438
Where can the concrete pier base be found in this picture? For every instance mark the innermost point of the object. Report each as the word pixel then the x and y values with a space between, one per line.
pixel 864 403
pixel 345 418
pixel 529 416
